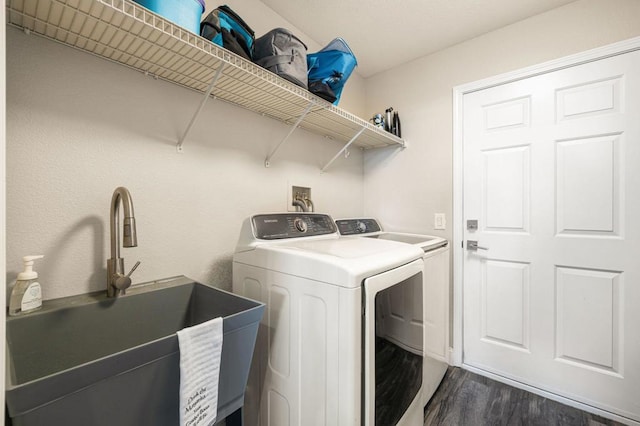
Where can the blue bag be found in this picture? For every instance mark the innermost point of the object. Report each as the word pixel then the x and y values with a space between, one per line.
pixel 329 69
pixel 226 28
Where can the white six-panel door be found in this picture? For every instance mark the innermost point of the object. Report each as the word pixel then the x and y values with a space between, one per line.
pixel 552 175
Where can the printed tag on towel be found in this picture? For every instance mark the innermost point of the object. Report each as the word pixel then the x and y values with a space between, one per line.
pixel 200 350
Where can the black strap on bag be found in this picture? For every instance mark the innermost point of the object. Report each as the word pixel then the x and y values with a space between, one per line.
pixel 270 61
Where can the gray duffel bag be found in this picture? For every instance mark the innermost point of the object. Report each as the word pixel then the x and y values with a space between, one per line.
pixel 283 53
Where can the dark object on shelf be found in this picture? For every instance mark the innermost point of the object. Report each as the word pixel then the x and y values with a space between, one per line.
pixel 392 122
pixel 378 121
pixel 284 54
pixel 330 68
pixel 396 124
pixel 226 28
pixel 388 120
pixel 323 90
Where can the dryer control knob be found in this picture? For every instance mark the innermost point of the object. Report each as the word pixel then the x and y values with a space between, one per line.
pixel 300 225
pixel 361 226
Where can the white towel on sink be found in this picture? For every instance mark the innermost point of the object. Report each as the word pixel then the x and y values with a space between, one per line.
pixel 200 350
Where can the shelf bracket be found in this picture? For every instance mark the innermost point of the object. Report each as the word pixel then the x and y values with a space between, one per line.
pixel 267 161
pixel 217 75
pixel 344 148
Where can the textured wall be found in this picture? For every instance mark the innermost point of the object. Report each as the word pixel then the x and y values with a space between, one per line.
pixel 2 196
pixel 79 126
pixel 406 188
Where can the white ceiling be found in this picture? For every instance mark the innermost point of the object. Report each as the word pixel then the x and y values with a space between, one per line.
pixel 387 33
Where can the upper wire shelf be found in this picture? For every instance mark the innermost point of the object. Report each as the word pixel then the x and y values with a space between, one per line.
pixel 129 34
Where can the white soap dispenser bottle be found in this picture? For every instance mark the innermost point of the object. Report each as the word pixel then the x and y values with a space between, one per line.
pixel 26 295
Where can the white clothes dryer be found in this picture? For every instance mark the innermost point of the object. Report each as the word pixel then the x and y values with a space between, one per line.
pixel 321 355
pixel 435 291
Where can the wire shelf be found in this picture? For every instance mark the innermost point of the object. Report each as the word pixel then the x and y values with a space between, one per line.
pixel 129 34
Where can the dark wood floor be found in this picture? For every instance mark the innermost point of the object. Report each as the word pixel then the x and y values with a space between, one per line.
pixel 467 399
pixel 398 379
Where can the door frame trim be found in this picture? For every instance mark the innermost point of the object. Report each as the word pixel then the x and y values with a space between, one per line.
pixel 456 355
pixel 459 92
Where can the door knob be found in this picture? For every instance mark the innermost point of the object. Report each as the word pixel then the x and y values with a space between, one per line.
pixel 473 246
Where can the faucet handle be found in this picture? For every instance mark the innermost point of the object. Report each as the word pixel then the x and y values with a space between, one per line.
pixel 133 269
pixel 123 282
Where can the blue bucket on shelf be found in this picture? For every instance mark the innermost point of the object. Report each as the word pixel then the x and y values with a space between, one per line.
pixel 186 13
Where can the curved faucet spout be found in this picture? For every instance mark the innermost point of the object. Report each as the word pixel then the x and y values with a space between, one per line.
pixel 129 233
pixel 115 265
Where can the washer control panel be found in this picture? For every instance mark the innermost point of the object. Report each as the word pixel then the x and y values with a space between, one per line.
pixel 291 225
pixel 357 226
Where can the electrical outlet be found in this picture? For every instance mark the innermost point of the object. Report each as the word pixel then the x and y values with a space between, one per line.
pixel 439 221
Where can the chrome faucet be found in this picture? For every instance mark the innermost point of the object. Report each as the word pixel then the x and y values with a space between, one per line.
pixel 117 281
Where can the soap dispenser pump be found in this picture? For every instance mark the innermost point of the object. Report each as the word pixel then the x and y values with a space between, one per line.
pixel 26 295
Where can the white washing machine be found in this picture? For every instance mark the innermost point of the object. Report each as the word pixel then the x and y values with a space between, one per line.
pixel 321 356
pixel 435 291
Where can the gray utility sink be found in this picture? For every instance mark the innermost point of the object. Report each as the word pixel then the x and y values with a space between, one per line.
pixel 89 360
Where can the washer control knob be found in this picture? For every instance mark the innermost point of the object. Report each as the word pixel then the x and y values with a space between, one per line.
pixel 361 226
pixel 300 225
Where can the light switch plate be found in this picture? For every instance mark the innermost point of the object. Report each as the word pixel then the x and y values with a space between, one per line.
pixel 439 221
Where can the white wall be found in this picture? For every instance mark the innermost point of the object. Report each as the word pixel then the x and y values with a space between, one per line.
pixel 404 190
pixel 3 285
pixel 79 126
